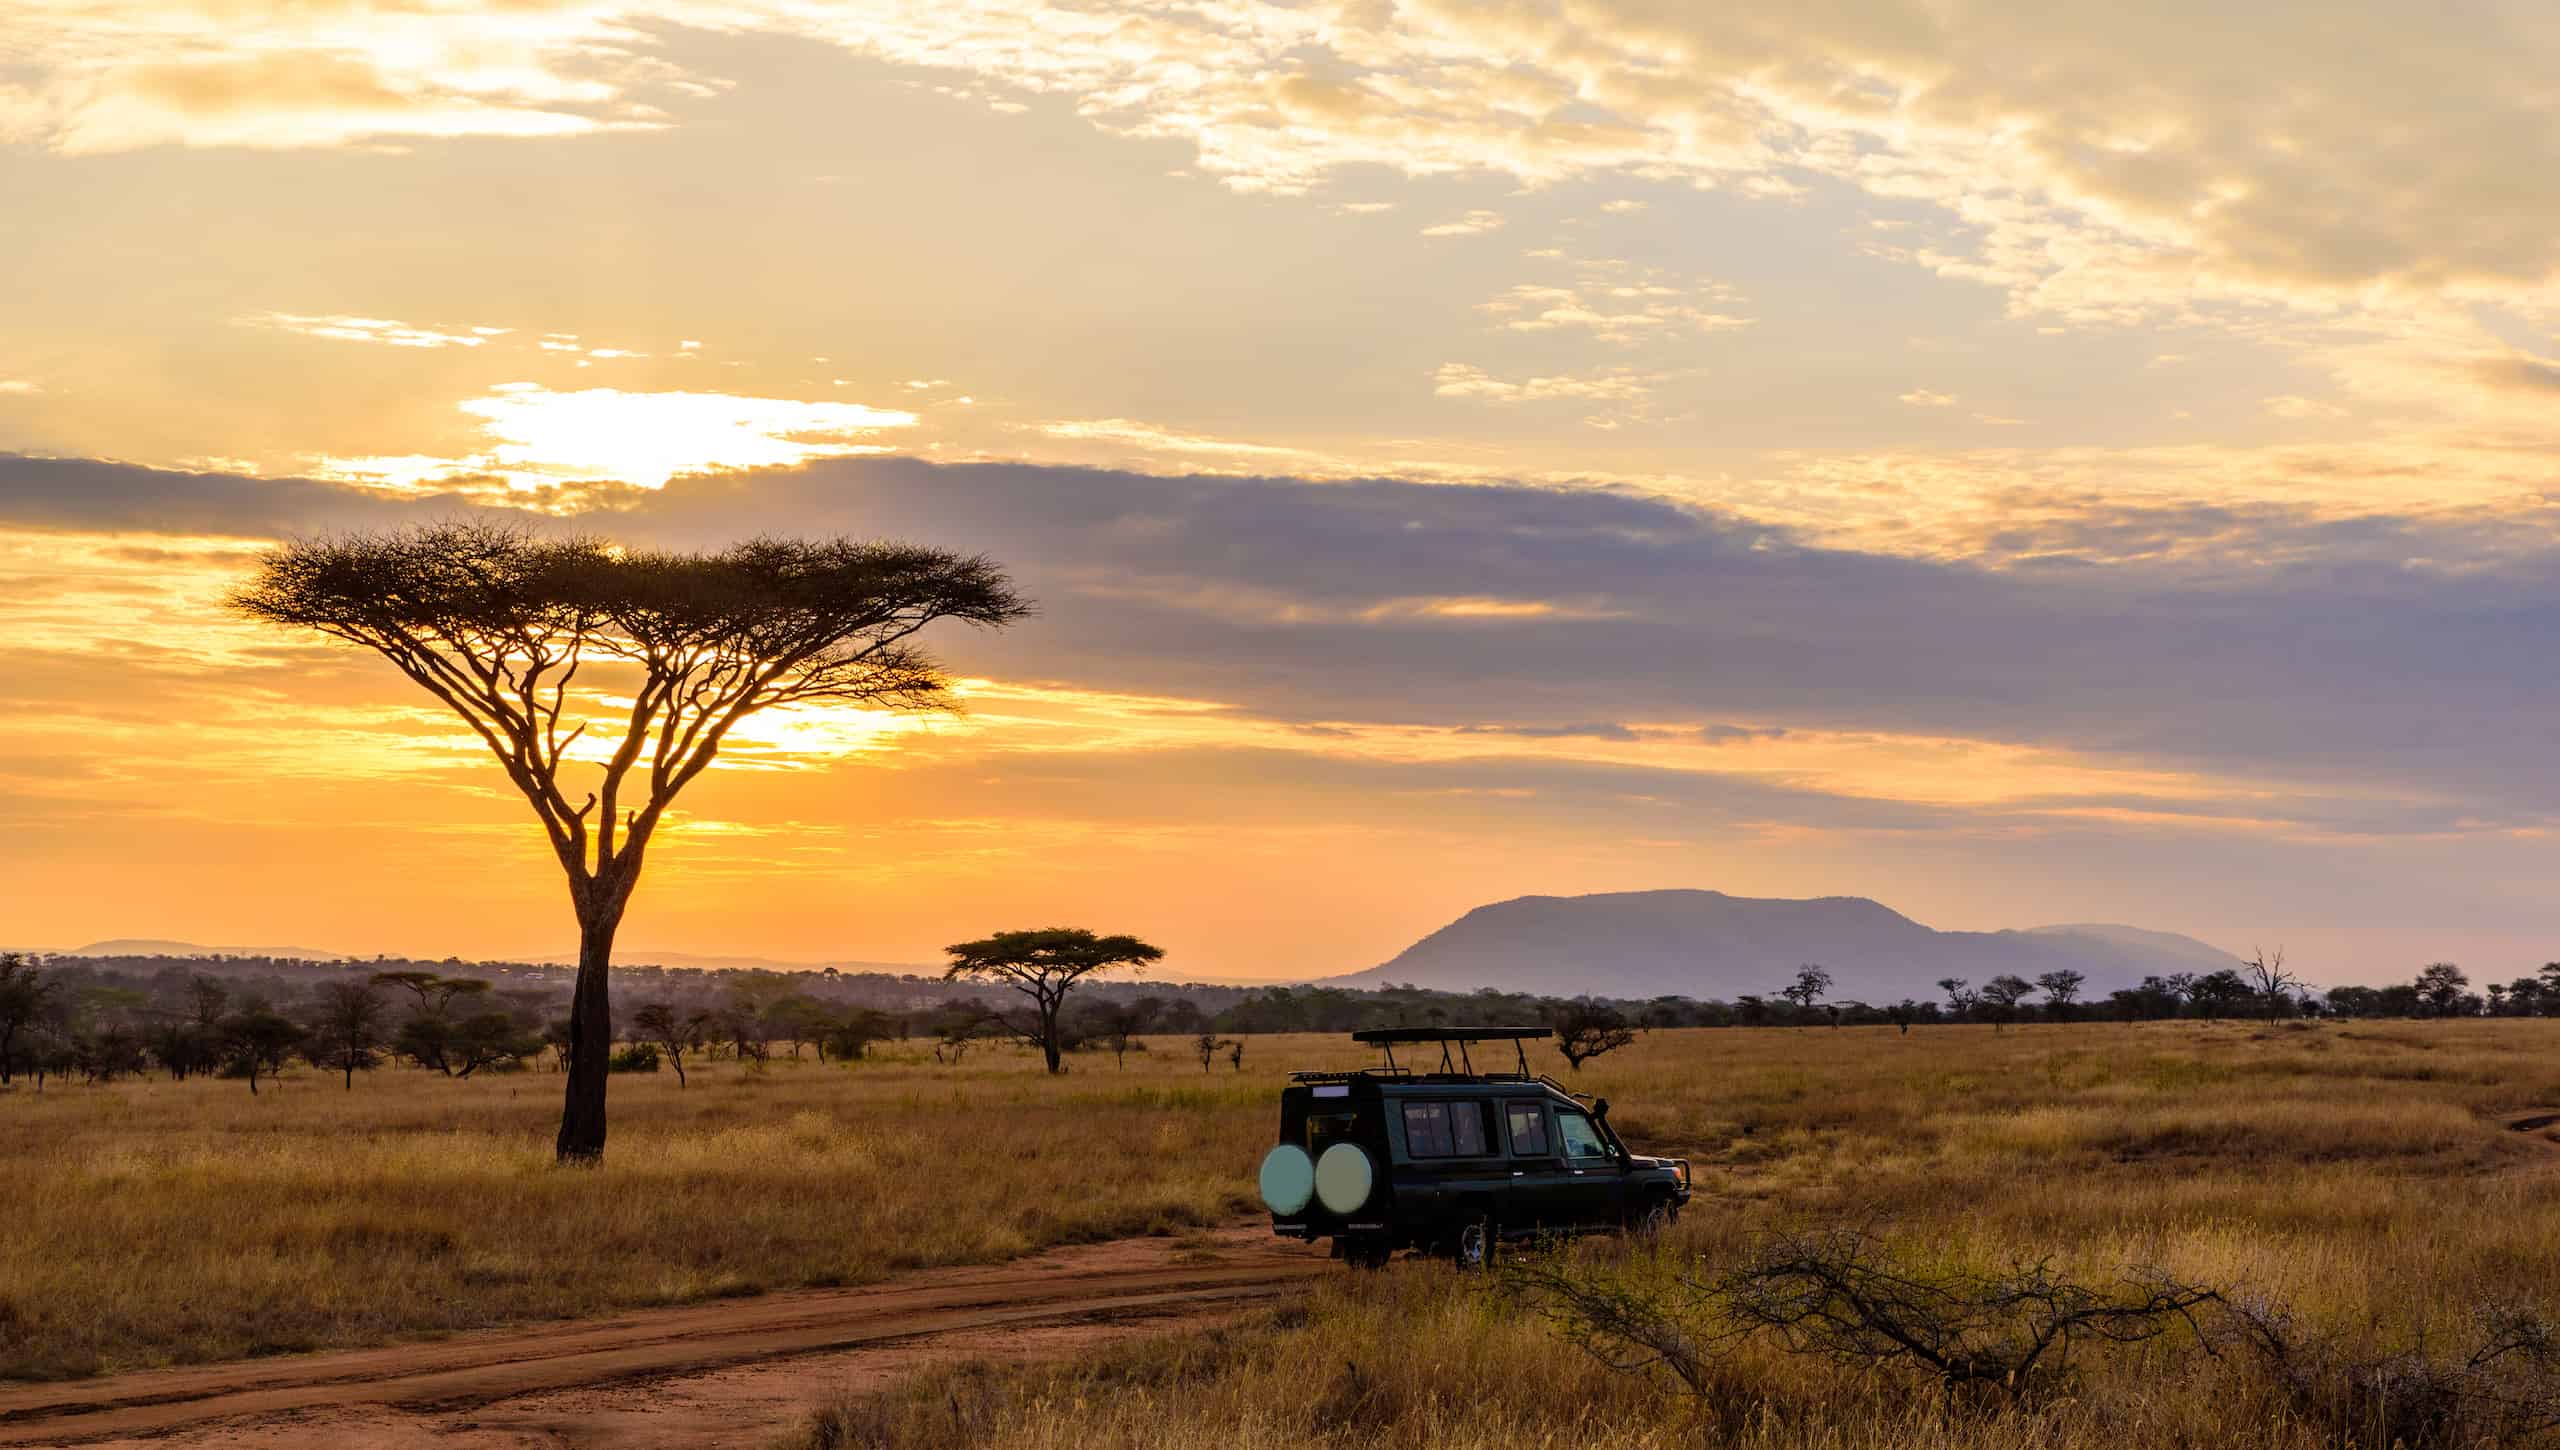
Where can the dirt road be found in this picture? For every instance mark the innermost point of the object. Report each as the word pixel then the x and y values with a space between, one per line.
pixel 732 1372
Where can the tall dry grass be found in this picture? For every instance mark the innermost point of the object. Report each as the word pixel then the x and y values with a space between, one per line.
pixel 2357 1174
pixel 155 1222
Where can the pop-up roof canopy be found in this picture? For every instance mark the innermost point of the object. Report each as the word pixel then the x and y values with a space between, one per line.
pixel 1386 1039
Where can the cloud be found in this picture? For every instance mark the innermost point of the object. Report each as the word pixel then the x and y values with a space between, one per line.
pixel 1592 730
pixel 18 387
pixel 1154 439
pixel 117 75
pixel 1924 398
pixel 1355 605
pixel 1473 224
pixel 2144 162
pixel 373 329
pixel 1616 302
pixel 2522 374
pixel 1465 380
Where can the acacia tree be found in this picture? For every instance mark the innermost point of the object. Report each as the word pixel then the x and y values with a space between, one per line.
pixel 1586 1029
pixel 2002 994
pixel 1045 966
pixel 675 1032
pixel 23 995
pixel 1810 983
pixel 1961 998
pixel 346 1028
pixel 510 630
pixel 2062 988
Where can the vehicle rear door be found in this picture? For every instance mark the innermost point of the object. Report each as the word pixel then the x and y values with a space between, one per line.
pixel 1453 1170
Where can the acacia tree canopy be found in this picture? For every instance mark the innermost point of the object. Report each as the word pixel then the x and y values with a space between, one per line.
pixel 514 631
pixel 1045 965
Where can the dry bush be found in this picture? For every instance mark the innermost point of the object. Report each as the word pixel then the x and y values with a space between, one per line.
pixel 1845 1295
pixel 2358 1182
pixel 2505 1390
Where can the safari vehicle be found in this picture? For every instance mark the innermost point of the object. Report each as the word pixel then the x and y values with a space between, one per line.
pixel 1453 1161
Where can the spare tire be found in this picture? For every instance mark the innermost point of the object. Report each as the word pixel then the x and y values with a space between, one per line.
pixel 1344 1176
pixel 1288 1179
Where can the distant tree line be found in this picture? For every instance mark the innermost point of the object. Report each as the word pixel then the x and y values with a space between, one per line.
pixel 246 1019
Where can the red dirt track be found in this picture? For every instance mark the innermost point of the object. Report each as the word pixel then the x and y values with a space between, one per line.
pixel 734 1370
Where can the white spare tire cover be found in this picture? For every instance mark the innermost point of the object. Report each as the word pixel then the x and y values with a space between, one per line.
pixel 1343 1177
pixel 1288 1179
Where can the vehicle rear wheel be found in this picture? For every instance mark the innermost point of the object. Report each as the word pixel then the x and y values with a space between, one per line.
pixel 1475 1247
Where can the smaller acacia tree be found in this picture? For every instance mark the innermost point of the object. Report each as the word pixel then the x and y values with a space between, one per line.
pixel 24 994
pixel 1961 998
pixel 2002 994
pixel 346 1029
pixel 1119 1025
pixel 257 1041
pixel 2061 989
pixel 1045 966
pixel 1810 983
pixel 675 1032
pixel 1585 1030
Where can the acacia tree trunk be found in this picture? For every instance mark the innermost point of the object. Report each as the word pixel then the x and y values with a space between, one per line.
pixel 1049 1030
pixel 591 1025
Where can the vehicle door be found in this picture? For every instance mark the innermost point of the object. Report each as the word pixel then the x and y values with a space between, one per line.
pixel 1536 1198
pixel 1594 1188
pixel 1454 1171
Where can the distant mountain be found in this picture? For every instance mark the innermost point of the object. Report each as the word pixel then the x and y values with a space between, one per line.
pixel 147 947
pixel 1708 944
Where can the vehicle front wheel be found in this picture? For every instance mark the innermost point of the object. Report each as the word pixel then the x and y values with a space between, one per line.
pixel 1367 1253
pixel 1475 1247
pixel 1658 1215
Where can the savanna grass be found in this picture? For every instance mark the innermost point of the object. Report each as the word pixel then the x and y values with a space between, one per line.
pixel 2359 1176
pixel 154 1222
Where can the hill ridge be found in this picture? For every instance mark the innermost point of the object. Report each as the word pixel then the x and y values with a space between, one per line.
pixel 1692 941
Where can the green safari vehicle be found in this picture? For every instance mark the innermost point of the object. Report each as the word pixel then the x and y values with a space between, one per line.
pixel 1453 1161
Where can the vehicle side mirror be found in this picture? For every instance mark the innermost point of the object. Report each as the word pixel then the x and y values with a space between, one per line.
pixel 1600 1107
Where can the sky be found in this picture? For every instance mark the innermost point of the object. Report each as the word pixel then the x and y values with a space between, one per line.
pixel 2024 464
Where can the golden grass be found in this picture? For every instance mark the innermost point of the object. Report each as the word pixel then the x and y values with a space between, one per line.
pixel 2360 1175
pixel 157 1222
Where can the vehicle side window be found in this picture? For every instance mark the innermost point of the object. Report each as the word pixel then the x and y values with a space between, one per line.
pixel 1444 1130
pixel 1581 1138
pixel 1467 1129
pixel 1528 1124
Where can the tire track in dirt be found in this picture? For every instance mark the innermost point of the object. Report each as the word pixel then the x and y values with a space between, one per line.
pixel 1139 1278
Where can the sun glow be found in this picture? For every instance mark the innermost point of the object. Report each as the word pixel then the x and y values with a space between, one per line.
pixel 544 439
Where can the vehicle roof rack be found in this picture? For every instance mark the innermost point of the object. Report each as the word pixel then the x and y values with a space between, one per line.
pixel 1449 1034
pixel 1386 1039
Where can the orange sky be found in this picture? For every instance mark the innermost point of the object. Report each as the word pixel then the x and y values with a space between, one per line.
pixel 2024 465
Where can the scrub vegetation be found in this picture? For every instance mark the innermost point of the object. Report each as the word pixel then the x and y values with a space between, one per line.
pixel 2355 1184
pixel 2288 1235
